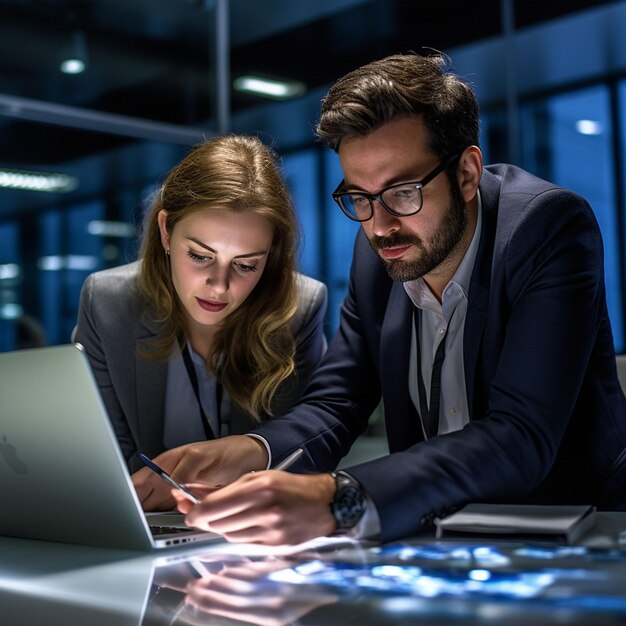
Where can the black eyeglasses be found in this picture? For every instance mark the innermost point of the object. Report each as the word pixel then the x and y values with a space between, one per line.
pixel 401 199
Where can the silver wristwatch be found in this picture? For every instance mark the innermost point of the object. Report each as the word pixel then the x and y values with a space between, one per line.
pixel 348 504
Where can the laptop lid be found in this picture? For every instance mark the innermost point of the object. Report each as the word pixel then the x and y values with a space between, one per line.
pixel 62 473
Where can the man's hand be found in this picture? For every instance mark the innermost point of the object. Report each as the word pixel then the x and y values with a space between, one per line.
pixel 213 463
pixel 272 507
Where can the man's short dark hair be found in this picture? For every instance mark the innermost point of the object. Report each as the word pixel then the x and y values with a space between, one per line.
pixel 397 86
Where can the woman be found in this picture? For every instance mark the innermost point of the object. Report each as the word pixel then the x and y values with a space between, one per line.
pixel 211 330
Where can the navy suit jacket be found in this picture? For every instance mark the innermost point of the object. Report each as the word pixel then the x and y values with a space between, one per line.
pixel 547 414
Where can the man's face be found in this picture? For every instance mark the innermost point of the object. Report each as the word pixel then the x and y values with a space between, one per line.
pixel 421 244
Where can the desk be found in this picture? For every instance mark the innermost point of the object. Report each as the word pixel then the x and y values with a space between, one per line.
pixel 342 583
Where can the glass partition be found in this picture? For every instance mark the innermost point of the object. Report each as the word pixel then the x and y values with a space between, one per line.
pixel 568 139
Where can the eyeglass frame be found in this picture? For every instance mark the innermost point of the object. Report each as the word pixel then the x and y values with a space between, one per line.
pixel 420 184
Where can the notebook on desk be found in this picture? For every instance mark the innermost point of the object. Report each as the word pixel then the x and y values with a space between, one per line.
pixel 528 522
pixel 62 473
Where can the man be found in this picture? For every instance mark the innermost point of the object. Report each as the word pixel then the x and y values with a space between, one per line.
pixel 495 269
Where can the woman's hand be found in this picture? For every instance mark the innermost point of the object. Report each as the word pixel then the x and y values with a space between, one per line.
pixel 213 463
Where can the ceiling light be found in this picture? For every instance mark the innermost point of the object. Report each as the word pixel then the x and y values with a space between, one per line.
pixel 75 59
pixel 109 228
pixel 269 88
pixel 9 271
pixel 37 181
pixel 72 66
pixel 589 127
pixel 11 311
pixel 81 262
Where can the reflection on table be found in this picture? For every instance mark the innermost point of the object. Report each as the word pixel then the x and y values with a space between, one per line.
pixel 339 582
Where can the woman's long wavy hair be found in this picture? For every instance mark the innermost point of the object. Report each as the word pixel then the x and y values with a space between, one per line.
pixel 253 351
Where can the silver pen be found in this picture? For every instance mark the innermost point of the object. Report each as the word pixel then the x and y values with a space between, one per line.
pixel 290 460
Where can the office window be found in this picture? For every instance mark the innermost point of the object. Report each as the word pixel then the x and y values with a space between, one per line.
pixel 567 139
pixel 340 234
pixel 10 279
pixel 68 253
pixel 301 171
pixel 621 100
pixel 493 137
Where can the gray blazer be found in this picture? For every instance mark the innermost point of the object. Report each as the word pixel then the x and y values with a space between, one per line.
pixel 115 327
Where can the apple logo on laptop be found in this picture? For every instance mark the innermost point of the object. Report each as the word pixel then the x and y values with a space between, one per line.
pixel 9 454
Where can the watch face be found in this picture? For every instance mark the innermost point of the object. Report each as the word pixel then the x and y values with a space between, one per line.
pixel 348 505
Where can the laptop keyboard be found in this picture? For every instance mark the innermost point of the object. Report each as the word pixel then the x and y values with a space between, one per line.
pixel 167 530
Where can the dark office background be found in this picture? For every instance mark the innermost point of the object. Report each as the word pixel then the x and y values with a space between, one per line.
pixel 158 76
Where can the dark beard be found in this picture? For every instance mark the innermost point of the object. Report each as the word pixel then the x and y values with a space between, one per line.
pixel 443 243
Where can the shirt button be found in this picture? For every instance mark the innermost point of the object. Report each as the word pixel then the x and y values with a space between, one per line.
pixel 452 411
pixel 442 332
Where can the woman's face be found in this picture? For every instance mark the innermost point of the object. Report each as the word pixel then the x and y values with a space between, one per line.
pixel 217 257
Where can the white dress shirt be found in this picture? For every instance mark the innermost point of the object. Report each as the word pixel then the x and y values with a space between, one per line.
pixel 437 320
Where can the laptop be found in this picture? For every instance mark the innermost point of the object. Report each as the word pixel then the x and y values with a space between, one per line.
pixel 62 474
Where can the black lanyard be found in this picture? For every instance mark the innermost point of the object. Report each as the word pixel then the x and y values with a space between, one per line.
pixel 193 379
pixel 430 415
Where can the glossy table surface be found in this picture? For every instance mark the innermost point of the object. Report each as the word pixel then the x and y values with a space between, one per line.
pixel 336 581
